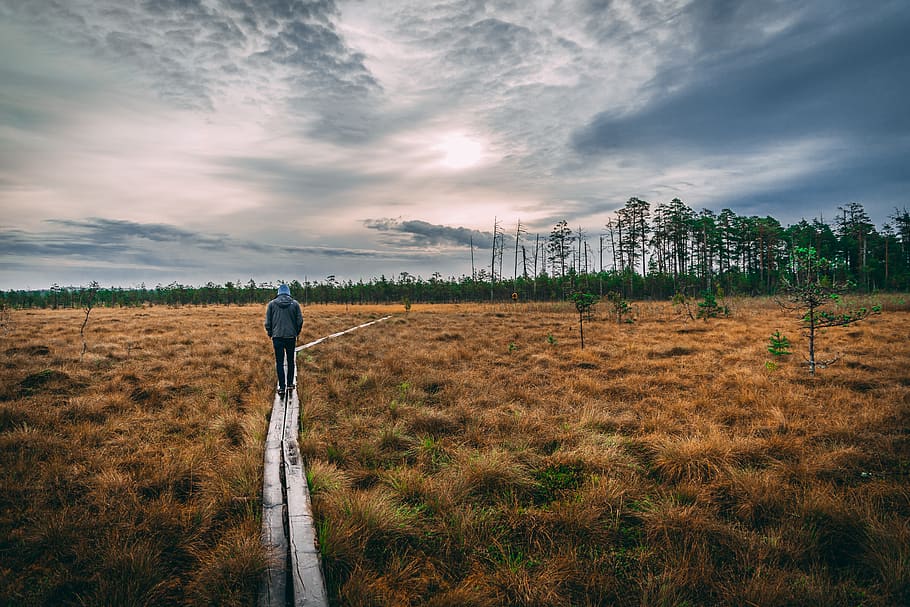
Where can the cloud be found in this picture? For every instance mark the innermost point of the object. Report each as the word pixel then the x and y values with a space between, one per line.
pixel 289 179
pixel 492 46
pixel 190 53
pixel 152 244
pixel 113 231
pixel 416 233
pixel 96 241
pixel 77 252
pixel 810 79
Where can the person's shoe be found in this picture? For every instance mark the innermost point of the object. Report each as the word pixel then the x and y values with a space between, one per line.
pixel 292 387
pixel 281 391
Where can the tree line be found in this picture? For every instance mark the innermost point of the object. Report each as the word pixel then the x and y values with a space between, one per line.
pixel 669 248
pixel 644 251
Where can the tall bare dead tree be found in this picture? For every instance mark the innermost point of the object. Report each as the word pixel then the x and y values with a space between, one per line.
pixel 496 252
pixel 473 271
pixel 518 232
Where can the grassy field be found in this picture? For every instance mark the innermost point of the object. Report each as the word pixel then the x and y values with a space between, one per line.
pixel 461 455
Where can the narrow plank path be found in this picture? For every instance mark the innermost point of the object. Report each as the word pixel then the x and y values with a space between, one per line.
pixel 288 532
pixel 273 589
pixel 322 339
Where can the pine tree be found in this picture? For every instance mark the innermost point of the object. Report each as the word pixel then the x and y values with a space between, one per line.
pixel 559 247
pixel 814 298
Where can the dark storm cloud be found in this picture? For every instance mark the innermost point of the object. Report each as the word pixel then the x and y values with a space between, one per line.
pixel 416 233
pixel 329 82
pixel 820 84
pixel 608 22
pixel 93 240
pixel 174 6
pixel 328 251
pixel 873 174
pixel 814 79
pixel 321 56
pixel 127 243
pixel 116 232
pixel 515 69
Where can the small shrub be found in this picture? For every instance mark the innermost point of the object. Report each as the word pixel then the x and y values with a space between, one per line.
pixel 233 429
pixel 230 573
pixel 427 421
pixel 409 485
pixel 709 308
pixel 365 524
pixel 621 308
pixel 429 454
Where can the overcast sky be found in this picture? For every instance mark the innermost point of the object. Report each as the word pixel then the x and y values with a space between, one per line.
pixel 213 140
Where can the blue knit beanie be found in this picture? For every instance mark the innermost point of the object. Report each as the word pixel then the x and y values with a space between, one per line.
pixel 284 290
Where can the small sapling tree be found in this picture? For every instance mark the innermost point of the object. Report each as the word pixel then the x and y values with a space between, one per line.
pixel 681 299
pixel 709 308
pixel 621 307
pixel 5 316
pixel 815 297
pixel 583 303
pixel 88 302
pixel 779 345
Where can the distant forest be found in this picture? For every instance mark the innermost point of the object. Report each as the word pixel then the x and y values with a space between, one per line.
pixel 643 252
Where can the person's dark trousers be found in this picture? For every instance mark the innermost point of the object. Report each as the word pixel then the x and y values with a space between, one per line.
pixel 284 347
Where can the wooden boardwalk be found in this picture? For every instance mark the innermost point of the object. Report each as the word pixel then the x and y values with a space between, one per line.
pixel 273 590
pixel 294 572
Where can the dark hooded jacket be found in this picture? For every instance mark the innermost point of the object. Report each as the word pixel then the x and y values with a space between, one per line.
pixel 283 317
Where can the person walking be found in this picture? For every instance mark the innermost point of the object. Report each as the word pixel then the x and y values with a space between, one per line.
pixel 283 322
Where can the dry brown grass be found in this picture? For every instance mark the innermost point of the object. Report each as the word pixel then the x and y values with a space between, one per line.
pixel 663 465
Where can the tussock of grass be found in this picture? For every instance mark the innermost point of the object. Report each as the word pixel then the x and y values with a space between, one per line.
pixel 229 573
pixel 323 477
pixel 754 497
pixel 432 422
pixel 490 476
pixel 360 525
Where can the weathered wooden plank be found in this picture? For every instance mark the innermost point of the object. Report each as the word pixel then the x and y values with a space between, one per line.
pixel 273 589
pixel 306 571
